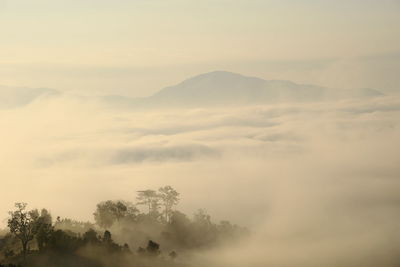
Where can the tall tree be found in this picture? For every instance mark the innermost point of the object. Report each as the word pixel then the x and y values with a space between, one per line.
pixel 169 197
pixel 149 198
pixel 22 224
pixel 44 229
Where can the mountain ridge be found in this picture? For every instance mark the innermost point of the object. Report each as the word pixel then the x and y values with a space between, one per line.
pixel 216 88
pixel 228 88
pixel 12 97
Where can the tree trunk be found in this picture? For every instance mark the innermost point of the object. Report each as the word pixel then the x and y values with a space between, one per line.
pixel 24 249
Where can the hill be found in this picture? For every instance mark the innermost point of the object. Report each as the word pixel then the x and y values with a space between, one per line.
pixel 221 88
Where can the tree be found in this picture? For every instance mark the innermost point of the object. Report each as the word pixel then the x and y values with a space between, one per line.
pixel 107 237
pixel 72 225
pixel 153 248
pixel 205 231
pixel 44 229
pixel 179 230
pixel 169 197
pixel 66 241
pixel 90 236
pixel 22 224
pixel 202 218
pixel 108 212
pixel 150 198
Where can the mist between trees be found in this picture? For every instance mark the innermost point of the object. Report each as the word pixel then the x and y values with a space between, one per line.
pixel 122 235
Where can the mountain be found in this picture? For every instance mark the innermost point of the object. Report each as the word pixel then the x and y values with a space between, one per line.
pixel 11 97
pixel 218 88
pixel 226 88
pixel 222 87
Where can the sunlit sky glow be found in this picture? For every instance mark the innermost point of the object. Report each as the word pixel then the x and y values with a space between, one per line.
pixel 137 47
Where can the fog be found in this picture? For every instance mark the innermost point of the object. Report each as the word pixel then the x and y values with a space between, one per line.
pixel 316 183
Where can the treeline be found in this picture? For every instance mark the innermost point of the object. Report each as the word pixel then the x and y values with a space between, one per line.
pixel 122 235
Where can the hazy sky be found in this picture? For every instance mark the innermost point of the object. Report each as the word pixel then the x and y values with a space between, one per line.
pixel 137 47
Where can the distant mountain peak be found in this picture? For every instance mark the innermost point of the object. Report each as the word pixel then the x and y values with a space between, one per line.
pixel 216 73
pixel 216 88
pixel 219 76
pixel 229 88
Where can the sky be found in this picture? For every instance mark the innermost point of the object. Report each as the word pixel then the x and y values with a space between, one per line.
pixel 135 48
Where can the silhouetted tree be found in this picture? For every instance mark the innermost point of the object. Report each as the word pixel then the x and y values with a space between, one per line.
pixel 44 229
pixel 153 248
pixel 23 225
pixel 109 244
pixel 65 242
pixel 107 237
pixel 91 236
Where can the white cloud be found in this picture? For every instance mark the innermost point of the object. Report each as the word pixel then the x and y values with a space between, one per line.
pixel 318 183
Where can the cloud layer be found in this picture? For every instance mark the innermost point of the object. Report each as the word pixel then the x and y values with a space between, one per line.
pixel 317 183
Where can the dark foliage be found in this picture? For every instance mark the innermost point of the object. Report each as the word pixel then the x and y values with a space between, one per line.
pixel 68 242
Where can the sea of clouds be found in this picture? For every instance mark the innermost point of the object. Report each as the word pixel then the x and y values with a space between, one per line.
pixel 316 183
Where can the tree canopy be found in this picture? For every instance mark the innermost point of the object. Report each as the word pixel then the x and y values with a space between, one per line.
pixel 35 240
